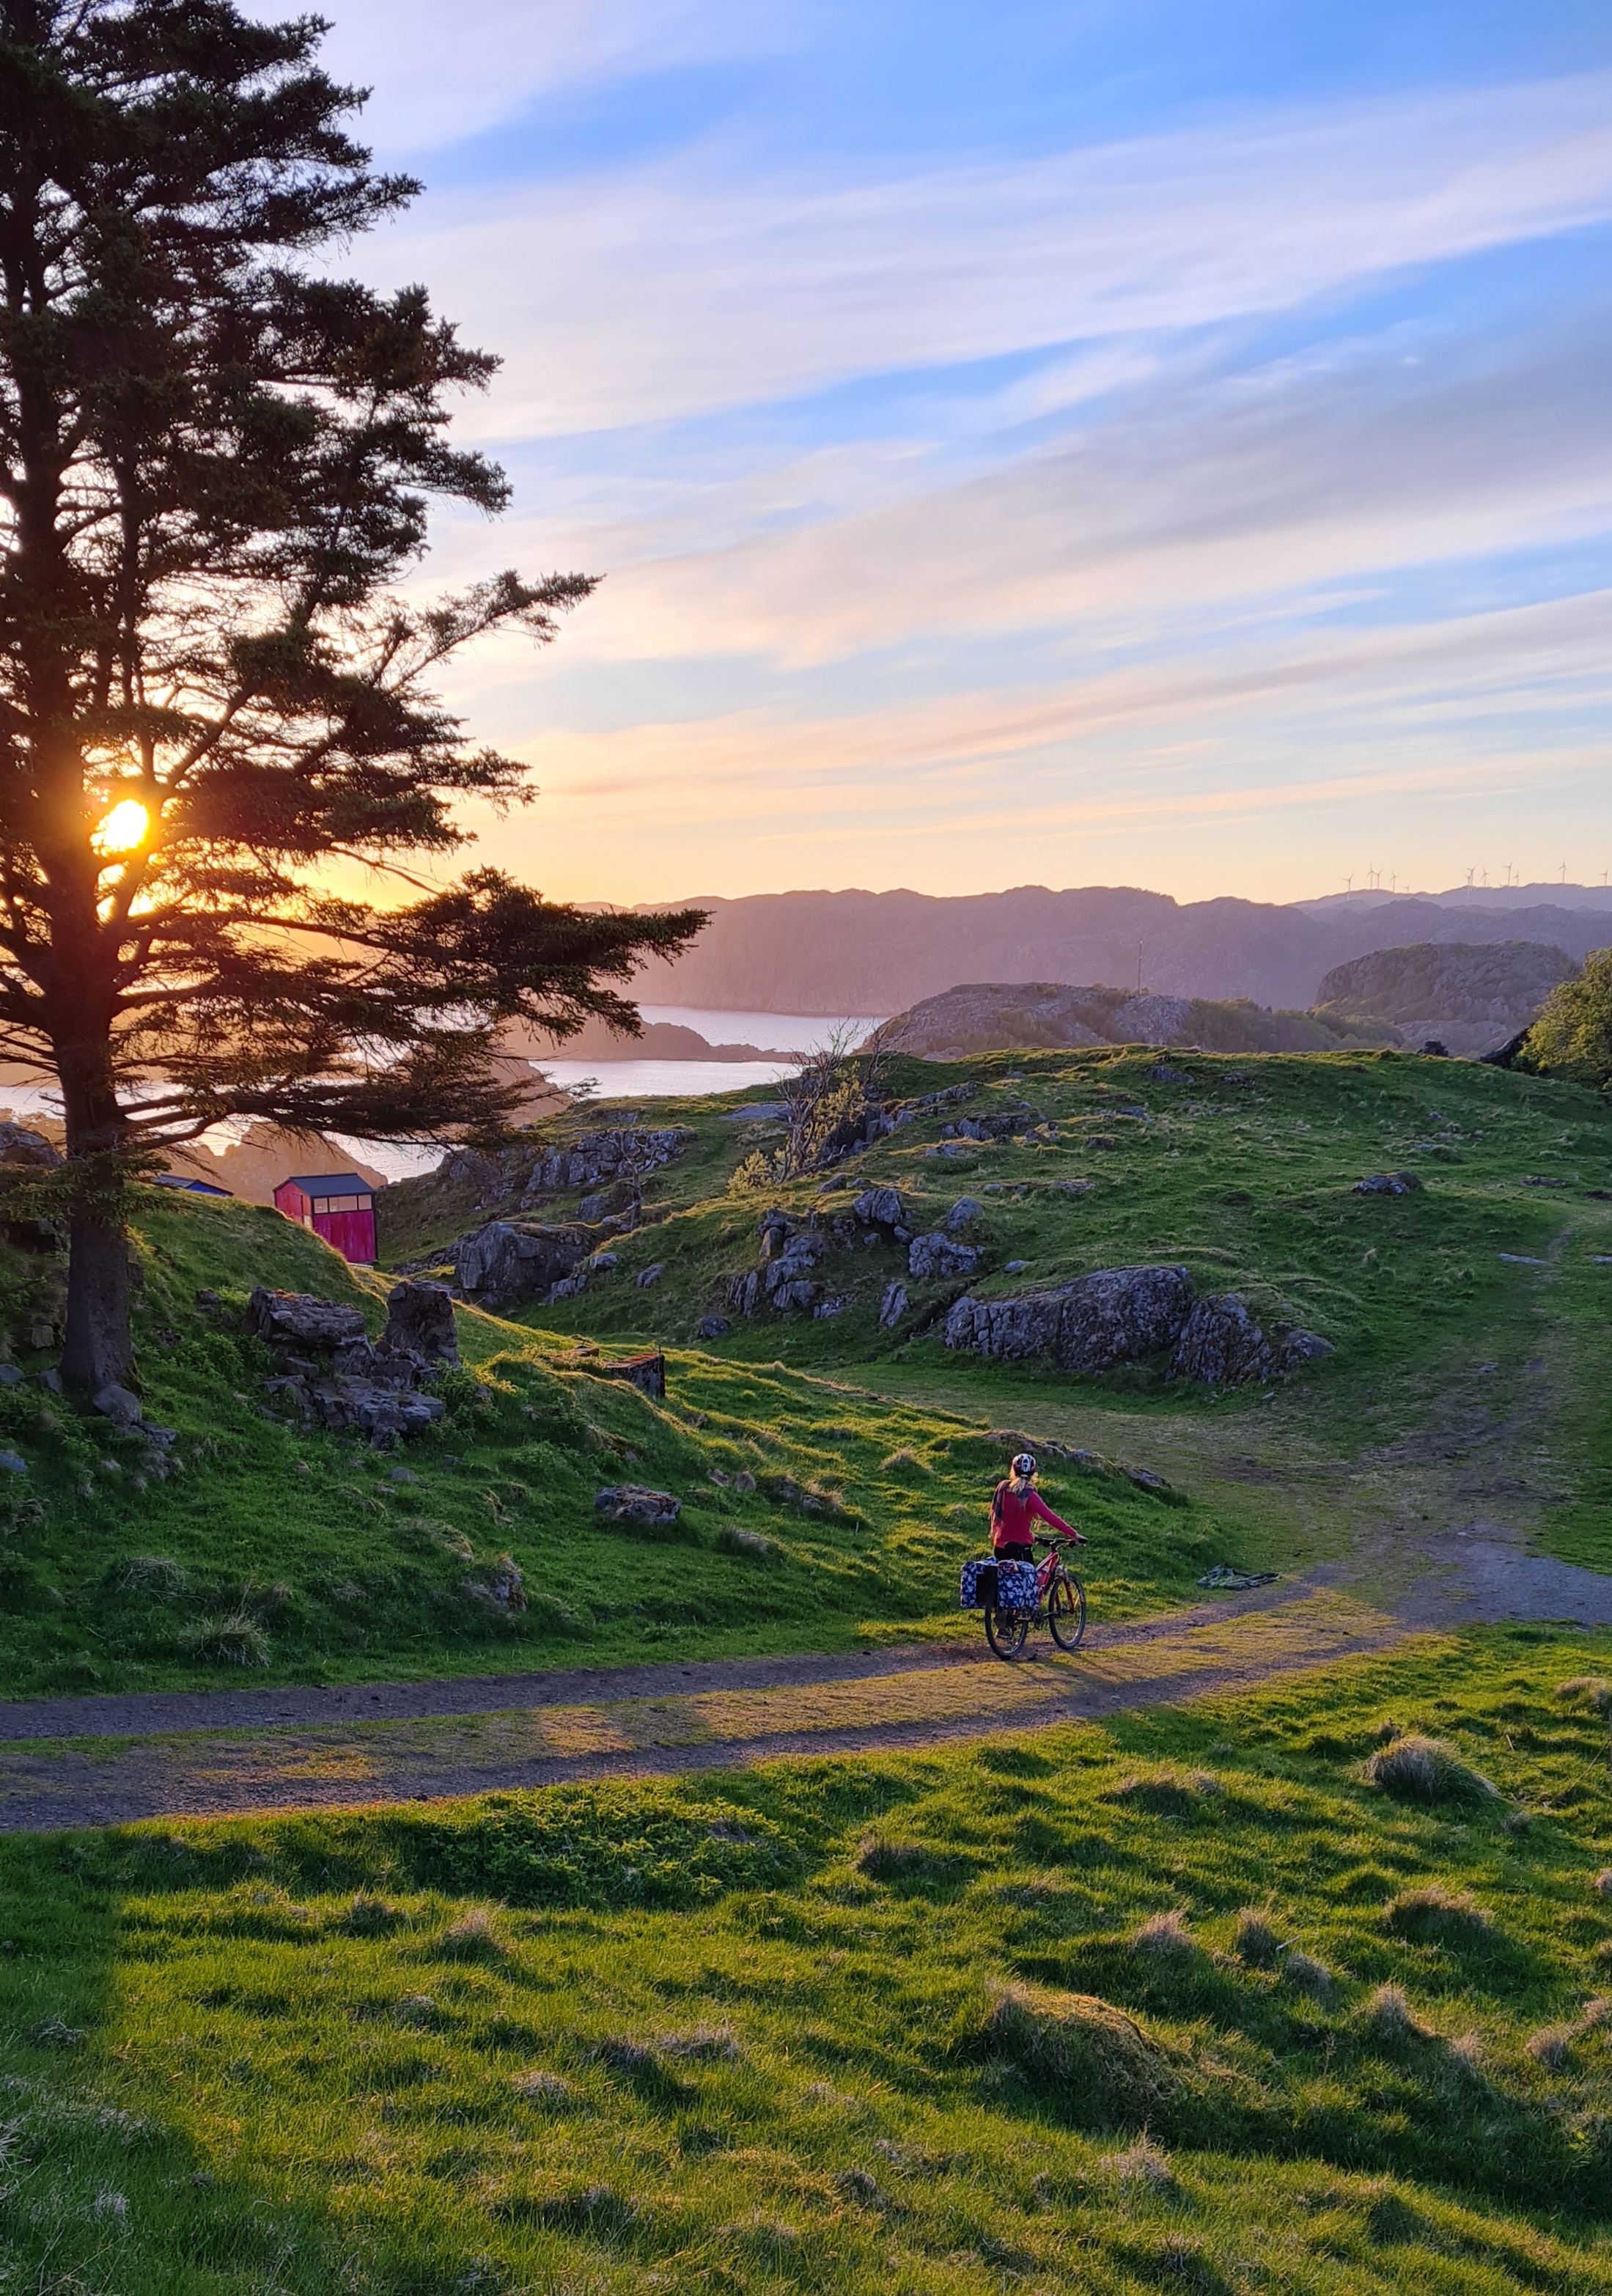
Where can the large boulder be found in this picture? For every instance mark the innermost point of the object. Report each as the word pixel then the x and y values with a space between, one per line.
pixel 502 1263
pixel 1119 1314
pixel 419 1322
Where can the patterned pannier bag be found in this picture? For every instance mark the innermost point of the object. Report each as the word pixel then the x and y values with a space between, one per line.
pixel 1016 1586
pixel 978 1586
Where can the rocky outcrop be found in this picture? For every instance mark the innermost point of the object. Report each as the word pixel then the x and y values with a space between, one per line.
pixel 633 1503
pixel 328 1374
pixel 420 1323
pixel 1387 1184
pixel 998 1124
pixel 1119 1314
pixel 21 1145
pixel 507 1261
pixel 295 1319
pixel 1223 1345
pixel 939 1256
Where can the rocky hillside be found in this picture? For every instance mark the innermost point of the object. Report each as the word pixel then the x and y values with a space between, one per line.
pixel 1470 996
pixel 1002 1016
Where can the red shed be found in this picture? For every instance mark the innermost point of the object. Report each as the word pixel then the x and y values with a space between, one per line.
pixel 338 1206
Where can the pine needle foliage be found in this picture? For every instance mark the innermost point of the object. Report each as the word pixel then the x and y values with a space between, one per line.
pixel 216 465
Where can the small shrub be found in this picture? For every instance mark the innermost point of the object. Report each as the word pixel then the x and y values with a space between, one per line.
pixel 472 1938
pixel 1414 1768
pixel 1388 2014
pixel 1104 2069
pixel 234 1638
pixel 1433 1915
pixel 1165 1932
pixel 1256 1943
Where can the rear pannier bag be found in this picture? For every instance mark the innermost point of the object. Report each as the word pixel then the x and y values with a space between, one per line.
pixel 978 1585
pixel 1016 1586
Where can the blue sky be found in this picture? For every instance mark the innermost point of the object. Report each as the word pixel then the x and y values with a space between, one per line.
pixel 1153 443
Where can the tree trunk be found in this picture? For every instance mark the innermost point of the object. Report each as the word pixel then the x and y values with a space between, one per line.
pixel 99 1350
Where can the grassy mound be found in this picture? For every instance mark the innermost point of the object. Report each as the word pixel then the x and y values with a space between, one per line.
pixel 678 2035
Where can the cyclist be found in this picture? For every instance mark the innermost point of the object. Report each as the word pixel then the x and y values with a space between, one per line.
pixel 1016 1505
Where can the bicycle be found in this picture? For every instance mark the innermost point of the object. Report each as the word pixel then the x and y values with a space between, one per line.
pixel 1064 1612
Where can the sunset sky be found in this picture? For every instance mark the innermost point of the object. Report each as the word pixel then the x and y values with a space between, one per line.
pixel 1055 442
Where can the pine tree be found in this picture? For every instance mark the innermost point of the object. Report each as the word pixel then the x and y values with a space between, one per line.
pixel 215 465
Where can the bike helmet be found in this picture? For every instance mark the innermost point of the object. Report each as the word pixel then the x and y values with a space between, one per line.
pixel 1024 1465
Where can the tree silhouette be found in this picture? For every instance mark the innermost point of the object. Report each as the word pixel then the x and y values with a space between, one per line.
pixel 214 466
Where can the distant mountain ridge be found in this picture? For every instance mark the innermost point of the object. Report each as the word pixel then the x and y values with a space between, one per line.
pixel 854 952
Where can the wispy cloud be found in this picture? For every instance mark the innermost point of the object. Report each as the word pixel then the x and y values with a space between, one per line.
pixel 442 73
pixel 663 291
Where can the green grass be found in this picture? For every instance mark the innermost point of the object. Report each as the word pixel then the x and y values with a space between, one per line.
pixel 1244 1173
pixel 275 1555
pixel 284 1555
pixel 897 2024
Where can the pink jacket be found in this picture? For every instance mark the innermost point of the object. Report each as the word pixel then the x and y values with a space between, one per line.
pixel 1014 1514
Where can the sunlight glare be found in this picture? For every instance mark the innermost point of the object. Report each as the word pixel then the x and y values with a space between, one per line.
pixel 124 828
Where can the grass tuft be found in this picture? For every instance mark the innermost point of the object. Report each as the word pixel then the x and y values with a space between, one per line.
pixel 473 1936
pixel 1311 1976
pixel 231 1637
pixel 1165 1932
pixel 1100 2067
pixel 1144 2163
pixel 1387 2014
pixel 1255 1942
pixel 1434 1915
pixel 1414 1768
pixel 538 2087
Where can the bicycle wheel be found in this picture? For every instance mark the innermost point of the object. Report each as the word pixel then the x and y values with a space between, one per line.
pixel 1006 1630
pixel 1067 1611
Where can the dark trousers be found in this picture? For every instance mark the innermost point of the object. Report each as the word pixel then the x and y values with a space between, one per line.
pixel 1017 1550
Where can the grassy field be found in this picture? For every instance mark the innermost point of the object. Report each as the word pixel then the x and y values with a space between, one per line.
pixel 298 1555
pixel 815 1513
pixel 1181 2001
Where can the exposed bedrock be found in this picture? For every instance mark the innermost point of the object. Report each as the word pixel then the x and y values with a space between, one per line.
pixel 1119 1314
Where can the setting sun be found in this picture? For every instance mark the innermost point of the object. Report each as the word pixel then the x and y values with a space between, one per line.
pixel 124 828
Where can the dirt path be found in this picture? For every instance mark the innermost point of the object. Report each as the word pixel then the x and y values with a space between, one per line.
pixel 302 1750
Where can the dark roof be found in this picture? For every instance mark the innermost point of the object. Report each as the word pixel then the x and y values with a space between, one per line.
pixel 331 1184
pixel 192 1187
